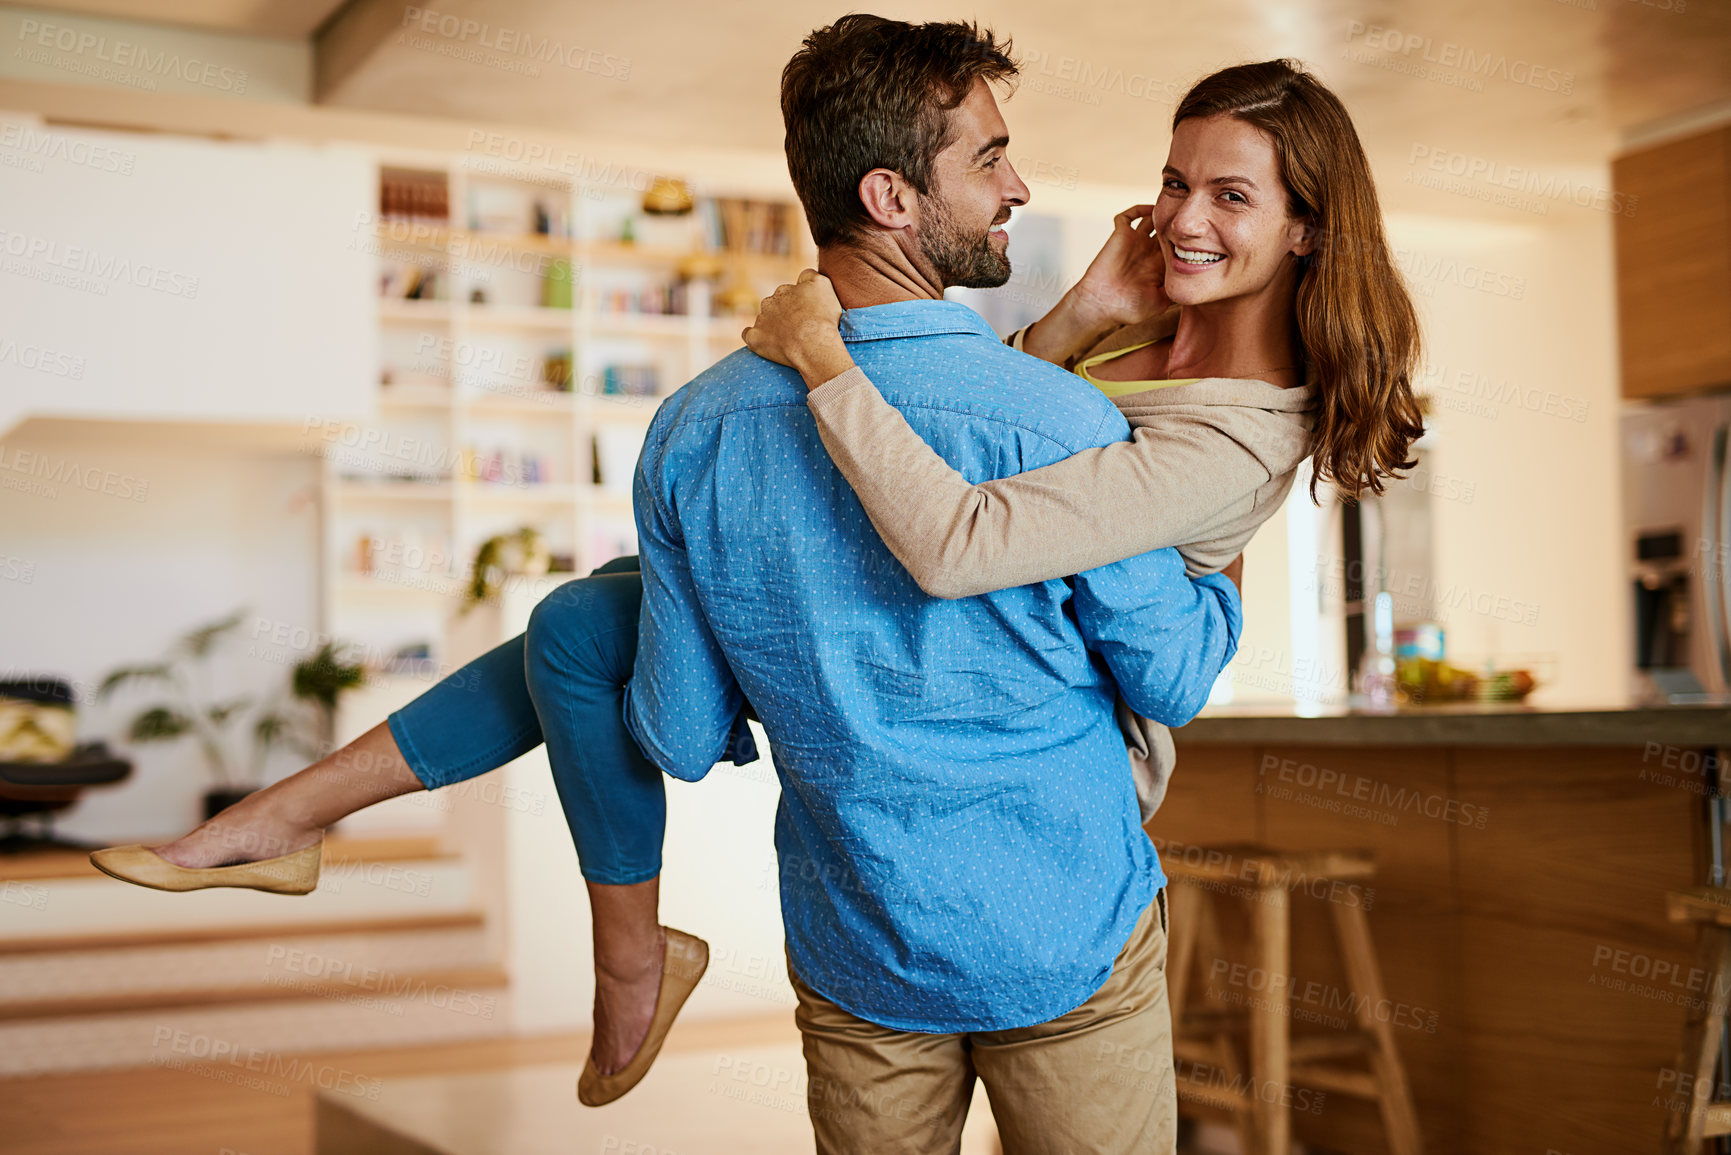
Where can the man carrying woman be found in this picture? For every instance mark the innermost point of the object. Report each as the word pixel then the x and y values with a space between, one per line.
pixel 986 904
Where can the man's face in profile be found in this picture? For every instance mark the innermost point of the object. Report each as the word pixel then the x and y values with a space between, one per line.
pixel 973 189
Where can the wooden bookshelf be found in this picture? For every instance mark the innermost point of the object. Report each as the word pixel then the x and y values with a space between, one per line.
pixel 463 376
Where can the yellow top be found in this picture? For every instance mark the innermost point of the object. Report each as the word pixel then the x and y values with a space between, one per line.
pixel 1125 388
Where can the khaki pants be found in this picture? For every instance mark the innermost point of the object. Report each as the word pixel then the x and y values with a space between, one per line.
pixel 1098 1079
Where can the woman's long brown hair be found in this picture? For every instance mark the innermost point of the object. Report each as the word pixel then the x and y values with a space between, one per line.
pixel 1356 323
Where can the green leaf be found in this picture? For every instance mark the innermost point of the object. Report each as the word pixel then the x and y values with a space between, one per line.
pixel 220 713
pixel 275 730
pixel 199 642
pixel 270 729
pixel 327 676
pixel 159 672
pixel 160 725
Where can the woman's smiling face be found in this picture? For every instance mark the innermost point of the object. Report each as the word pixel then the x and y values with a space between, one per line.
pixel 1222 212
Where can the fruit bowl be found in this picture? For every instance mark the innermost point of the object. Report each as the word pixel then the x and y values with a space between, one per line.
pixel 1427 682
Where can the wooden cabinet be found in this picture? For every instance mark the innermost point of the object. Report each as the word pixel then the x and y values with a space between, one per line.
pixel 1674 265
pixel 1537 987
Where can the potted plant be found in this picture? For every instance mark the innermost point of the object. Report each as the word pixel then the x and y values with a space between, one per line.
pixel 318 684
pixel 303 718
pixel 520 553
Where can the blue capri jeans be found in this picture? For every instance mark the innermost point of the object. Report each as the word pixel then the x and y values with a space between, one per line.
pixel 561 682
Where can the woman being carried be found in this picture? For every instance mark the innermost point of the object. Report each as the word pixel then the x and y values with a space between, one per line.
pixel 1292 335
pixel 1248 319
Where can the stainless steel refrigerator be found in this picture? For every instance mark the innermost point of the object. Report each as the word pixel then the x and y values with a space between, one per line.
pixel 1677 537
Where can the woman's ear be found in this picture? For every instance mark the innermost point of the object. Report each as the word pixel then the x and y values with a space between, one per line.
pixel 887 198
pixel 1301 237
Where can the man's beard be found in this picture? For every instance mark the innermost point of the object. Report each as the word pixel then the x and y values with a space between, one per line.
pixel 961 261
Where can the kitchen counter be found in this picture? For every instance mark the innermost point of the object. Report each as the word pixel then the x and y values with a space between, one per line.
pixel 1467 724
pixel 1523 857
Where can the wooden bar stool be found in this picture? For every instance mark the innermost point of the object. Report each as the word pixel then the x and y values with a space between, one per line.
pixel 1709 908
pixel 1263 879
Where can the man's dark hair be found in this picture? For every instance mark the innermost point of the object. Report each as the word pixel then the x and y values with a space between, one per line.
pixel 868 93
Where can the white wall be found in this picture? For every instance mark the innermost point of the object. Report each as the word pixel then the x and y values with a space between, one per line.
pixel 90 579
pixel 183 279
pixel 1524 492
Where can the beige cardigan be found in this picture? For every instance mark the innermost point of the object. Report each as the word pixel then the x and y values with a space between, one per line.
pixel 1206 465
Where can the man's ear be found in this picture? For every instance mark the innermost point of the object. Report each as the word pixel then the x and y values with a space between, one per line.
pixel 888 198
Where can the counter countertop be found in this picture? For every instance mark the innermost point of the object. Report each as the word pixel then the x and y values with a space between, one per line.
pixel 1469 724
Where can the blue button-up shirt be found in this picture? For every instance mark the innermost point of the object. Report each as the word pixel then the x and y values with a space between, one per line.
pixel 958 832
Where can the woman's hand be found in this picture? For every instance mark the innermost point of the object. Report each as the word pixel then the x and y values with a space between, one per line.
pixel 1125 284
pixel 798 326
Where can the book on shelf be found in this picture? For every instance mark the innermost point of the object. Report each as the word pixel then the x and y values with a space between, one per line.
pixel 557 370
pixel 745 225
pixel 550 219
pixel 414 659
pixel 407 281
pixel 631 380
pixel 558 284
pixel 666 300
pixel 611 539
pixel 406 194
pixel 401 478
pixel 405 548
pixel 505 465
pixel 737 225
pixel 511 209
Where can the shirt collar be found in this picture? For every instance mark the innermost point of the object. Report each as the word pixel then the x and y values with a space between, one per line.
pixel 912 319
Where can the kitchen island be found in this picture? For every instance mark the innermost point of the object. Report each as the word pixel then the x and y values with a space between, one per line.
pixel 1536 988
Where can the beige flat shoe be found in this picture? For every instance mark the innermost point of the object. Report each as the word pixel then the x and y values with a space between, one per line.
pixel 296 873
pixel 683 963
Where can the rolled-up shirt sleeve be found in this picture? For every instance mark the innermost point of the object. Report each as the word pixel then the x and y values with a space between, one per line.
pixel 1164 637
pixel 683 701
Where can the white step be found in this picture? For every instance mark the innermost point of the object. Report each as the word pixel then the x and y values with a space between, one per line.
pixel 250 1044
pixel 388 951
pixel 355 960
pixel 51 908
